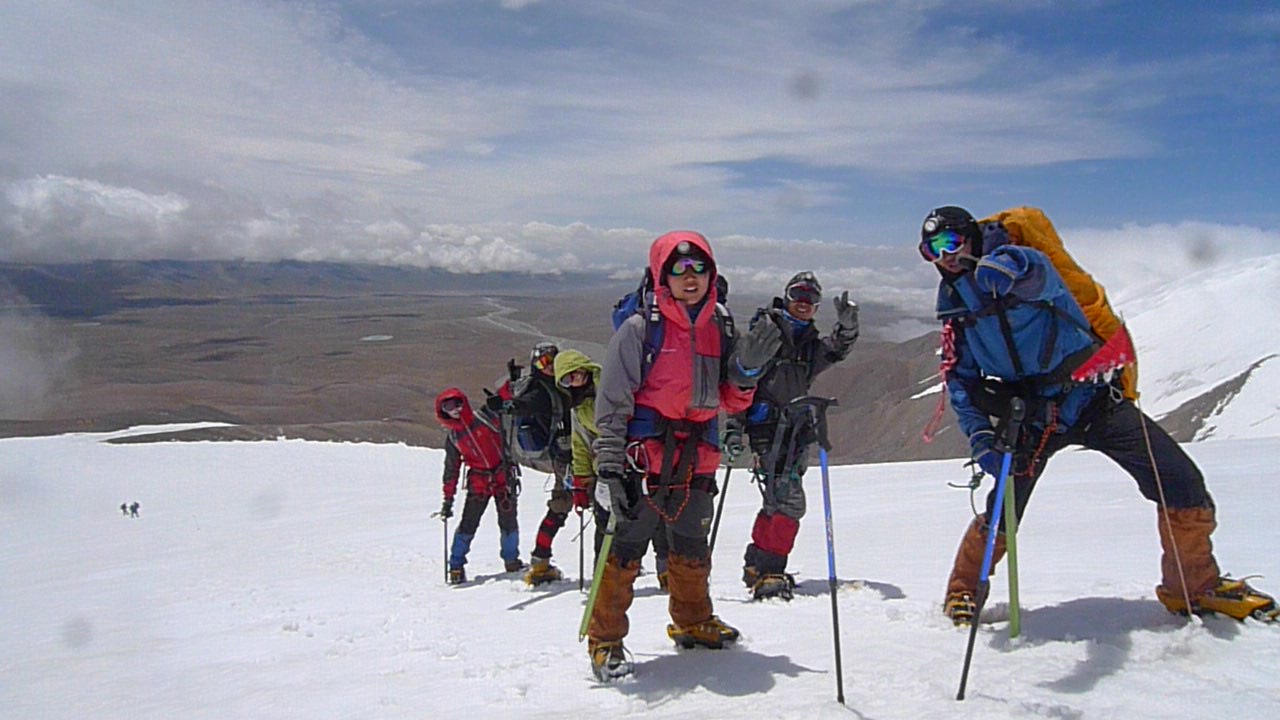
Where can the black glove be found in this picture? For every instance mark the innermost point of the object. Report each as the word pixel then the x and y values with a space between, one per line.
pixel 755 349
pixel 985 453
pixel 446 508
pixel 494 402
pixel 611 492
pixel 846 329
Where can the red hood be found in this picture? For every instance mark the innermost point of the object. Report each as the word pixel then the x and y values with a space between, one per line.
pixel 664 246
pixel 467 416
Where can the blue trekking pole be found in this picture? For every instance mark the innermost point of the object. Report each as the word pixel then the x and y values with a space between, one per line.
pixel 818 408
pixel 831 572
pixel 1017 410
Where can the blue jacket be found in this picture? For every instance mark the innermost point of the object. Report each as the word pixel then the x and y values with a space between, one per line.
pixel 1046 328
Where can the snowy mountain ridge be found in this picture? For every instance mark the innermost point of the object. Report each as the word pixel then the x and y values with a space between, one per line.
pixel 1209 349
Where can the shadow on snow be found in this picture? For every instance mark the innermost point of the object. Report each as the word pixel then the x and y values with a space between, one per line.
pixel 1106 626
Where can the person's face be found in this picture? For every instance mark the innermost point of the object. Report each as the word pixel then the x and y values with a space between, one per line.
pixel 452 408
pixel 545 364
pixel 801 310
pixel 689 280
pixel 951 261
pixel 575 379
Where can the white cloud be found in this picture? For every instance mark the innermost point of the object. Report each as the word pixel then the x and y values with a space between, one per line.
pixel 651 113
pixel 35 358
pixel 51 217
pixel 371 133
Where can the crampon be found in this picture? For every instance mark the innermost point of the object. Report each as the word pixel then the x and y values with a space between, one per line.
pixel 610 661
pixel 1231 597
pixel 712 633
pixel 960 607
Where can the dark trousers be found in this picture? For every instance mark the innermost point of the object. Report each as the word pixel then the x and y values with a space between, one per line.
pixel 474 508
pixel 1116 430
pixel 686 519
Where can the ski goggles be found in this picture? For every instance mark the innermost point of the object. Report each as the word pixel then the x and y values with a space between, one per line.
pixel 804 294
pixel 543 355
pixel 452 406
pixel 947 242
pixel 577 378
pixel 689 264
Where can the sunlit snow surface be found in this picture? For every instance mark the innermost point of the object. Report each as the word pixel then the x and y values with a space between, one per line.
pixel 294 579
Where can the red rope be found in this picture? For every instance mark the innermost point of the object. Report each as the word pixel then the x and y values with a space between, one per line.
pixel 671 519
pixel 948 362
pixel 1044 440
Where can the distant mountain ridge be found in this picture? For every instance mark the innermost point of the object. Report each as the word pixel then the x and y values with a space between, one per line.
pixel 355 352
pixel 81 290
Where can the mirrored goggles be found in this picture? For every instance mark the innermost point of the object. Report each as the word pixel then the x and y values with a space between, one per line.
pixel 689 264
pixel 947 242
pixel 544 361
pixel 804 294
pixel 577 378
pixel 452 406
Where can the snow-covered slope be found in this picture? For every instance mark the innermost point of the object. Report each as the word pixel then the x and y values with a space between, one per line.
pixel 296 579
pixel 1212 335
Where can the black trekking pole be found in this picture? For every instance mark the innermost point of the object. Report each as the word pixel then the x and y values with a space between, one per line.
pixel 715 526
pixel 1017 410
pixel 444 523
pixel 831 573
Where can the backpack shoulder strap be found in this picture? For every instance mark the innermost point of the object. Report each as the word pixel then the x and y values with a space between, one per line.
pixel 725 317
pixel 728 335
pixel 652 334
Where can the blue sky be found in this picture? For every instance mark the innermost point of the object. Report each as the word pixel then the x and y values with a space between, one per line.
pixel 479 134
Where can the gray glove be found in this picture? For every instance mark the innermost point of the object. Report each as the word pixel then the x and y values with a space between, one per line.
pixel 846 329
pixel 755 349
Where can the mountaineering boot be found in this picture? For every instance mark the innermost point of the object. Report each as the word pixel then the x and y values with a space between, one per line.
pixel 960 607
pixel 968 564
pixel 711 633
pixel 750 576
pixel 614 595
pixel 609 660
pixel 514 565
pixel 780 585
pixel 1230 597
pixel 542 571
pixel 1187 565
pixel 688 595
pixel 457 576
